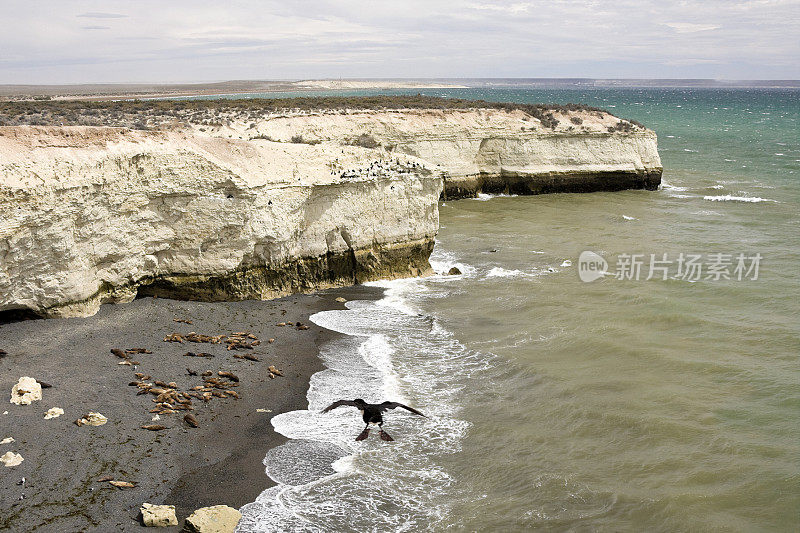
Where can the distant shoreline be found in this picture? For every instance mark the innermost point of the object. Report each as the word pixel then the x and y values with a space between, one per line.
pixel 118 91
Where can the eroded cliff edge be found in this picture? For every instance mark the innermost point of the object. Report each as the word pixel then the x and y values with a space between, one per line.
pixel 95 215
pixel 232 201
pixel 491 150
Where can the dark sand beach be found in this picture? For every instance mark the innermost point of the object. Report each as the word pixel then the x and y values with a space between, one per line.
pixel 218 463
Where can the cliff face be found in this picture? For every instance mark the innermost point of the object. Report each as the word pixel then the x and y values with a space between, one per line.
pixel 94 215
pixel 260 207
pixel 490 150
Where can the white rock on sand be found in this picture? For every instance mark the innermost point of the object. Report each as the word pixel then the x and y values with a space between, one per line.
pixel 158 515
pixel 92 419
pixel 11 459
pixel 214 519
pixel 26 391
pixel 7 440
pixel 53 412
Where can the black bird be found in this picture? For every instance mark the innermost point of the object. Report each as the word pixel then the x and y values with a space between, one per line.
pixel 372 414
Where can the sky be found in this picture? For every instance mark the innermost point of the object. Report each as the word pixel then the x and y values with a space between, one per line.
pixel 85 41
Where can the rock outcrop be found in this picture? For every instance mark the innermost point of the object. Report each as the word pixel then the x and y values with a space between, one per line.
pixel 258 208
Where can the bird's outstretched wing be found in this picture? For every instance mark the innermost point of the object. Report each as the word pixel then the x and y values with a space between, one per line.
pixel 392 405
pixel 339 403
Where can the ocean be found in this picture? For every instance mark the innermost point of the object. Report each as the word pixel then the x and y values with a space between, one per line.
pixel 662 394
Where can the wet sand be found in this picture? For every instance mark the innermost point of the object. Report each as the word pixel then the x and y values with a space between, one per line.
pixel 218 463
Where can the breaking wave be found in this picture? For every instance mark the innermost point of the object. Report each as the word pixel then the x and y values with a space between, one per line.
pixel 328 482
pixel 731 198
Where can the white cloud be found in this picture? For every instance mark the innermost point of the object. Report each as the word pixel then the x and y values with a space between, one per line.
pixel 513 8
pixel 689 27
pixel 195 40
pixel 98 15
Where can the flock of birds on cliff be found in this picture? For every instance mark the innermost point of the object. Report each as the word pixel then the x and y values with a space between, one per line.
pixel 376 168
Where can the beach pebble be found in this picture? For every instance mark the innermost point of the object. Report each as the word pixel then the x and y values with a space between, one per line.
pixel 214 519
pixel 341 300
pixel 53 412
pixel 7 440
pixel 158 515
pixel 11 459
pixel 26 391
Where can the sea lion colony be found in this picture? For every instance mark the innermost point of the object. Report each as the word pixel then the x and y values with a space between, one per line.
pixel 170 399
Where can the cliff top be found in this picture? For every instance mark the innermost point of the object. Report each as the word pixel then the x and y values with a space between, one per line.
pixel 148 114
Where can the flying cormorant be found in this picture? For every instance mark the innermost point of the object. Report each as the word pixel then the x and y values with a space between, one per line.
pixel 372 414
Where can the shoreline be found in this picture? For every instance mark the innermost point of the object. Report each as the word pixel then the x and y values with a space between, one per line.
pixel 219 463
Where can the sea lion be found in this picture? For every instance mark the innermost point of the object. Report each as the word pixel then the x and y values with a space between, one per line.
pixel 119 353
pixel 153 427
pixel 229 375
pixel 249 357
pixel 162 384
pixel 122 484
pixel 191 372
pixel 103 479
pixel 274 370
pixel 191 420
pixel 207 373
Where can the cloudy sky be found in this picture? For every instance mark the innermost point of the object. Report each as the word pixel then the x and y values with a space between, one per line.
pixel 59 41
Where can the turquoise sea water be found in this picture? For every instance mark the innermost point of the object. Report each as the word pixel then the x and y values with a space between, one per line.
pixel 556 404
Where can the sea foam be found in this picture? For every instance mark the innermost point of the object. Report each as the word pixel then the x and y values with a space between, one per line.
pixel 731 198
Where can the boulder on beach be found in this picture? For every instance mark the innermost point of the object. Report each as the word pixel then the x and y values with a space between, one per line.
pixel 214 519
pixel 158 515
pixel 454 271
pixel 91 419
pixel 12 459
pixel 54 412
pixel 26 391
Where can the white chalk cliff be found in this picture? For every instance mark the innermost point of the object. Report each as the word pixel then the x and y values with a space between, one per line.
pixel 90 215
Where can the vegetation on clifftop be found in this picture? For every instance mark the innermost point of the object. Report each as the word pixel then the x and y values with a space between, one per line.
pixel 142 114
